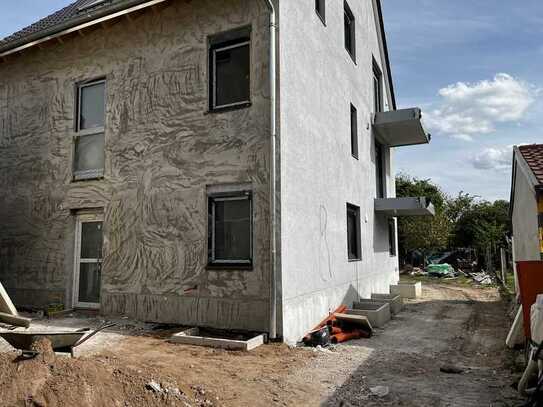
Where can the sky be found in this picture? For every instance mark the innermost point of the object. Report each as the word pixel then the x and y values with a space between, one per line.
pixel 474 67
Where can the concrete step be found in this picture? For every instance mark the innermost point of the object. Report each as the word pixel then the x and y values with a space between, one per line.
pixel 377 313
pixel 395 301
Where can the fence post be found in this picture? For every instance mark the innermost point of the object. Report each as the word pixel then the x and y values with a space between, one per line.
pixel 503 260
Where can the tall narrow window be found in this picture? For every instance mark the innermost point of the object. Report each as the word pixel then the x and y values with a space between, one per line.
pixel 349 25
pixel 353 233
pixel 380 170
pixel 89 139
pixel 377 89
pixel 229 58
pixel 230 229
pixel 392 236
pixel 320 8
pixel 354 132
pixel 88 261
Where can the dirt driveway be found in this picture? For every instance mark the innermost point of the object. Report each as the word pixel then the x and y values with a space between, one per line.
pixel 458 325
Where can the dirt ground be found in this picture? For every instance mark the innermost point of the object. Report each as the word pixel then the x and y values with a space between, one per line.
pixel 451 325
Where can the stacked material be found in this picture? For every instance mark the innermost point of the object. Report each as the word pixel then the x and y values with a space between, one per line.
pixel 8 312
pixel 339 327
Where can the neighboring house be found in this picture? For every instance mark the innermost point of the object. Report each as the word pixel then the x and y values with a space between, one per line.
pixel 189 162
pixel 526 209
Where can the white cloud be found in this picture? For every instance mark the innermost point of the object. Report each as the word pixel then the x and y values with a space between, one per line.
pixel 493 158
pixel 467 110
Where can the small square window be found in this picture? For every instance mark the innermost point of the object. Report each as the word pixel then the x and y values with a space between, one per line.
pixel 392 236
pixel 354 132
pixel 230 73
pixel 230 229
pixel 353 233
pixel 349 26
pixel 320 8
pixel 89 138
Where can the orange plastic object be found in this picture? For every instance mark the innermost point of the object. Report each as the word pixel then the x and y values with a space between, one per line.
pixel 326 320
pixel 530 281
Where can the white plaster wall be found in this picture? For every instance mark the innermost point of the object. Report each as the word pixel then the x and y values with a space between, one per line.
pixel 318 81
pixel 525 227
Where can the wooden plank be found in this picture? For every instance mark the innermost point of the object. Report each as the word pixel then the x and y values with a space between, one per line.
pixel 355 320
pixel 15 320
pixel 6 306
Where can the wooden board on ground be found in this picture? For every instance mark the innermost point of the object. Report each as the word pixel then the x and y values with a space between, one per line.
pixel 6 306
pixel 359 320
pixel 192 337
pixel 14 320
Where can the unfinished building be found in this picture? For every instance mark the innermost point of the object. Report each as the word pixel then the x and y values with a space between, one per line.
pixel 223 164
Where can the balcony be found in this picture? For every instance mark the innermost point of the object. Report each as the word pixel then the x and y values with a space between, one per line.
pixel 403 127
pixel 416 206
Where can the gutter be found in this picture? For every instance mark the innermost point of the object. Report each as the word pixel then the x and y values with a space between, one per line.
pixel 76 24
pixel 273 172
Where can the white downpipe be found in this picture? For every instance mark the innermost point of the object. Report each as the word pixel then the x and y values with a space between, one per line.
pixel 273 171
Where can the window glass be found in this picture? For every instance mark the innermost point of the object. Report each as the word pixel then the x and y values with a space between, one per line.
pixel 89 153
pixel 379 170
pixel 354 132
pixel 92 110
pixel 91 240
pixel 232 71
pixel 392 236
pixel 89 282
pixel 353 232
pixel 232 240
pixel 377 91
pixel 320 9
pixel 349 27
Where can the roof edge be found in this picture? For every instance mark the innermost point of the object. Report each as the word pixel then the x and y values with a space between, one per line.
pixel 86 20
pixel 385 46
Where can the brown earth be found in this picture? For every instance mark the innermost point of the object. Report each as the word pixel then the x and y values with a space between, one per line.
pixel 452 325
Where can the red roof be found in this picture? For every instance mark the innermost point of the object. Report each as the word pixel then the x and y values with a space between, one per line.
pixel 533 154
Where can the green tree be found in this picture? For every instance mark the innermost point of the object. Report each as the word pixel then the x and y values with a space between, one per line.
pixel 422 233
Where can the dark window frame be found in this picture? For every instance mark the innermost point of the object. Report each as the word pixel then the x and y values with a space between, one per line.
pixel 354 131
pixel 377 79
pixel 223 264
pixel 320 9
pixel 349 26
pixel 392 237
pixel 356 254
pixel 237 38
pixel 79 132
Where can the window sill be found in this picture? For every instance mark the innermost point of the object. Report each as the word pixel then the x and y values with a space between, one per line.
pixel 355 157
pixel 353 58
pixel 97 178
pixel 229 108
pixel 354 260
pixel 323 20
pixel 229 267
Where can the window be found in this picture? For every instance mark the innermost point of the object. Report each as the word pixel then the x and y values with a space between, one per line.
pixel 230 229
pixel 354 132
pixel 230 69
pixel 380 170
pixel 90 124
pixel 353 232
pixel 350 43
pixel 88 261
pixel 377 89
pixel 392 236
pixel 320 8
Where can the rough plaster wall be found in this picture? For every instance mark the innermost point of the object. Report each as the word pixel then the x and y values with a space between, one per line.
pixel 162 150
pixel 525 226
pixel 318 174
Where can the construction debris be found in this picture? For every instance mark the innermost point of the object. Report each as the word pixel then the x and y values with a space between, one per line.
pixel 15 320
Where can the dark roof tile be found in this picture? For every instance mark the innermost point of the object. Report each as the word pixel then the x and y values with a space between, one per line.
pixel 71 12
pixel 533 155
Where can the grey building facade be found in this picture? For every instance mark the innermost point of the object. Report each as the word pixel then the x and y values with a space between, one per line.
pixel 153 151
